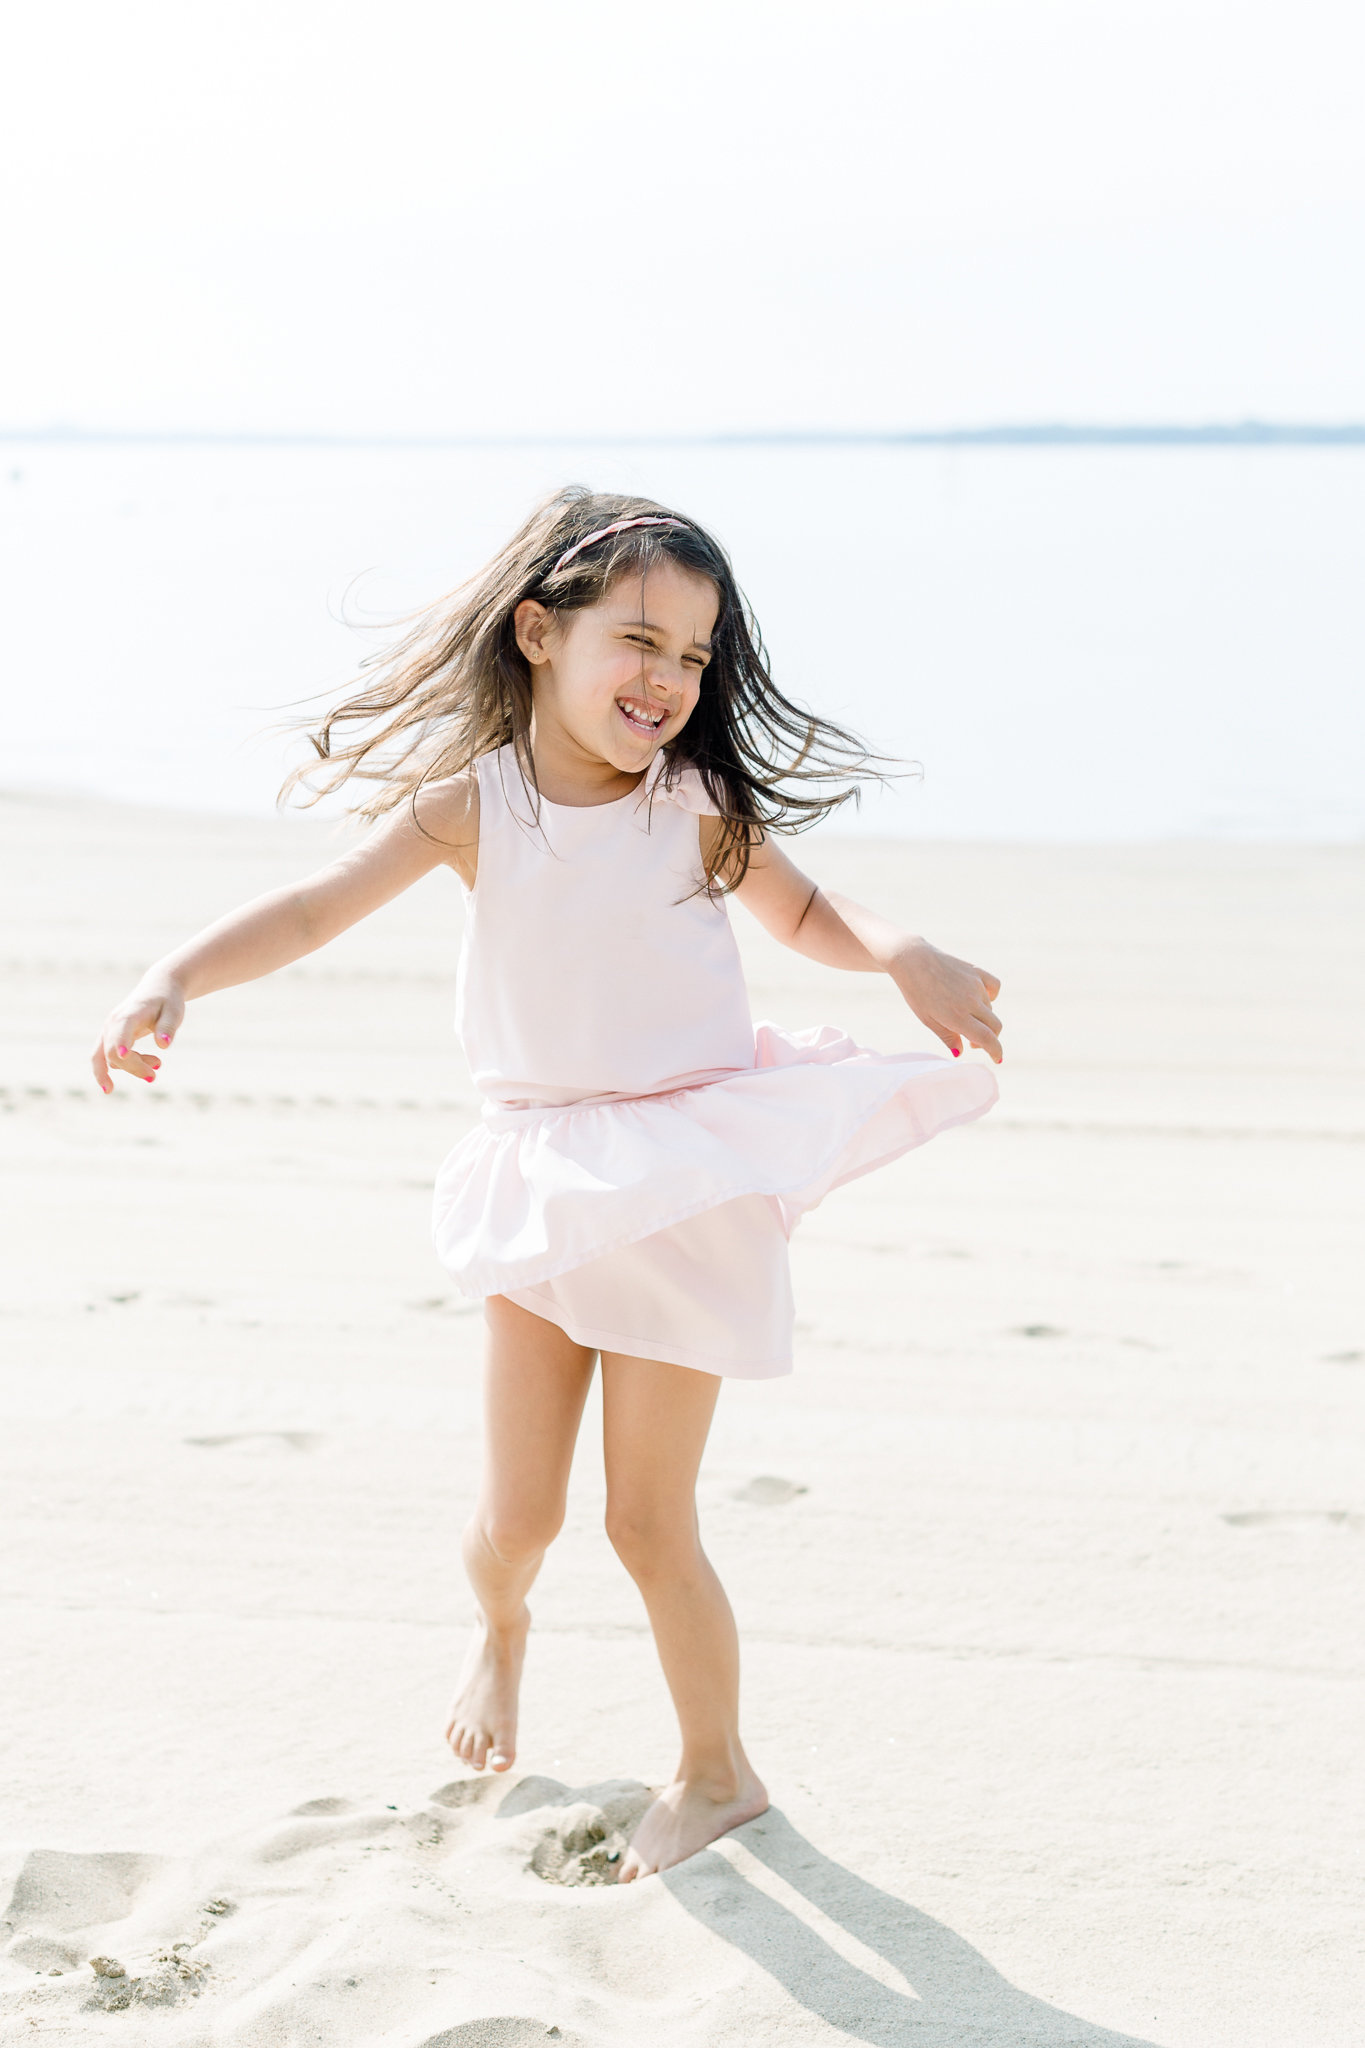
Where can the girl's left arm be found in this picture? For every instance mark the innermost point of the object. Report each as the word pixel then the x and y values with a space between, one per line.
pixel 951 996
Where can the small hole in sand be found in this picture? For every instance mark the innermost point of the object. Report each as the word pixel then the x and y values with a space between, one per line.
pixel 768 1491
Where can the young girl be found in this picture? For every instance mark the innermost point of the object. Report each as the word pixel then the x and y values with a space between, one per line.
pixel 588 735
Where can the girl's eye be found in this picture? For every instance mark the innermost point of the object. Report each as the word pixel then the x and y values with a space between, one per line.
pixel 639 640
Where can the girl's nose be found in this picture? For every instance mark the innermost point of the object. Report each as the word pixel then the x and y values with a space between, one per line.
pixel 663 675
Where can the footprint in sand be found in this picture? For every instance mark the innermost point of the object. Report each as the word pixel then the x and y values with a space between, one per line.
pixel 581 1848
pixel 472 1791
pixel 1295 1518
pixel 586 1838
pixel 269 1439
pixel 59 1889
pixel 767 1491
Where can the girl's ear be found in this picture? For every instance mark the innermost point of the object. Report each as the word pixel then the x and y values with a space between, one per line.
pixel 532 622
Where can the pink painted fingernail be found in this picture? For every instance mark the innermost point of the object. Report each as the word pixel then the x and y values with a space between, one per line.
pixel 149 1077
pixel 956 1051
pixel 163 1038
pixel 123 1052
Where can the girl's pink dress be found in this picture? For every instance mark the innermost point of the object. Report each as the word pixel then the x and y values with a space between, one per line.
pixel 646 1150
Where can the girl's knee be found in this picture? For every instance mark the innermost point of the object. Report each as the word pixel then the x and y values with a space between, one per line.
pixel 516 1537
pixel 649 1541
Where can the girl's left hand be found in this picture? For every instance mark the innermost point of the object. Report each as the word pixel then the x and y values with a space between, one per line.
pixel 951 996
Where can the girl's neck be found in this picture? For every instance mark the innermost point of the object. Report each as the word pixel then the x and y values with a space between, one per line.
pixel 567 774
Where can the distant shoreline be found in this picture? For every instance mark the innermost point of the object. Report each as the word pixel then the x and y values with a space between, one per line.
pixel 1228 434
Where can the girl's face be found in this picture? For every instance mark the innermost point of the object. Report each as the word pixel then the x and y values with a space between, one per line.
pixel 620 678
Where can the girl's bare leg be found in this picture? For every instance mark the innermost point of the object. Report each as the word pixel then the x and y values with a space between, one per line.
pixel 655 1423
pixel 535 1383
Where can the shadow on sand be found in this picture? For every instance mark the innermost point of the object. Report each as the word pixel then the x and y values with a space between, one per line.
pixel 959 2001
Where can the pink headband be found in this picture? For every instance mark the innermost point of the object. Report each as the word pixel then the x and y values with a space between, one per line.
pixel 618 526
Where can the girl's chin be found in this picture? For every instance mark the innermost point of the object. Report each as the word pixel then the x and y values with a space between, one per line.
pixel 632 760
pixel 633 747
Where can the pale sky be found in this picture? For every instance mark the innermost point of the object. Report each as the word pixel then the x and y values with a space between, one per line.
pixel 379 216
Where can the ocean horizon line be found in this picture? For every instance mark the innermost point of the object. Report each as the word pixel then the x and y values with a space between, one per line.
pixel 1250 433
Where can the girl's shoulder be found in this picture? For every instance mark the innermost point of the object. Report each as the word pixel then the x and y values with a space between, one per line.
pixel 447 809
pixel 449 799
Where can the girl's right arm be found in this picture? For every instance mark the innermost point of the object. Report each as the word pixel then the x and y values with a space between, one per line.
pixel 291 922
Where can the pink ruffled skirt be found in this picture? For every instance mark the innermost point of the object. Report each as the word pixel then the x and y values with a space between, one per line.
pixel 657 1226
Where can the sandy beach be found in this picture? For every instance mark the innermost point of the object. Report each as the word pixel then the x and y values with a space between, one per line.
pixel 1046 1560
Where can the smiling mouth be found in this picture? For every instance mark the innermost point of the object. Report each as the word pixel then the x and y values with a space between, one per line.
pixel 642 718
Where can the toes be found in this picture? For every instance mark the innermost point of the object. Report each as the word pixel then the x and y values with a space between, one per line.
pixel 471 1746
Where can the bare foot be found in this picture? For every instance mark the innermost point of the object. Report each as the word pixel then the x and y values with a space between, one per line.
pixel 684 1818
pixel 482 1727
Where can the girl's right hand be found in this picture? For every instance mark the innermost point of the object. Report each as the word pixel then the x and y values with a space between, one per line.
pixel 155 1011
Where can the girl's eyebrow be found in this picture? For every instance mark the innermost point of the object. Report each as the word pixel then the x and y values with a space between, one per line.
pixel 702 646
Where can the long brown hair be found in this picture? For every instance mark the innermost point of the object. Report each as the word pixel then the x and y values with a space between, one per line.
pixel 457 685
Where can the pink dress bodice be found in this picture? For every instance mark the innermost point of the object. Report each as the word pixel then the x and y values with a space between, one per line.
pixel 594 963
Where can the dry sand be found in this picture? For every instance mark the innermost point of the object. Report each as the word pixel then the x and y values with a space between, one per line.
pixel 1047 1559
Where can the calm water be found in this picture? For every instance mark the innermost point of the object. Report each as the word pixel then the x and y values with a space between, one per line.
pixel 1075 643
